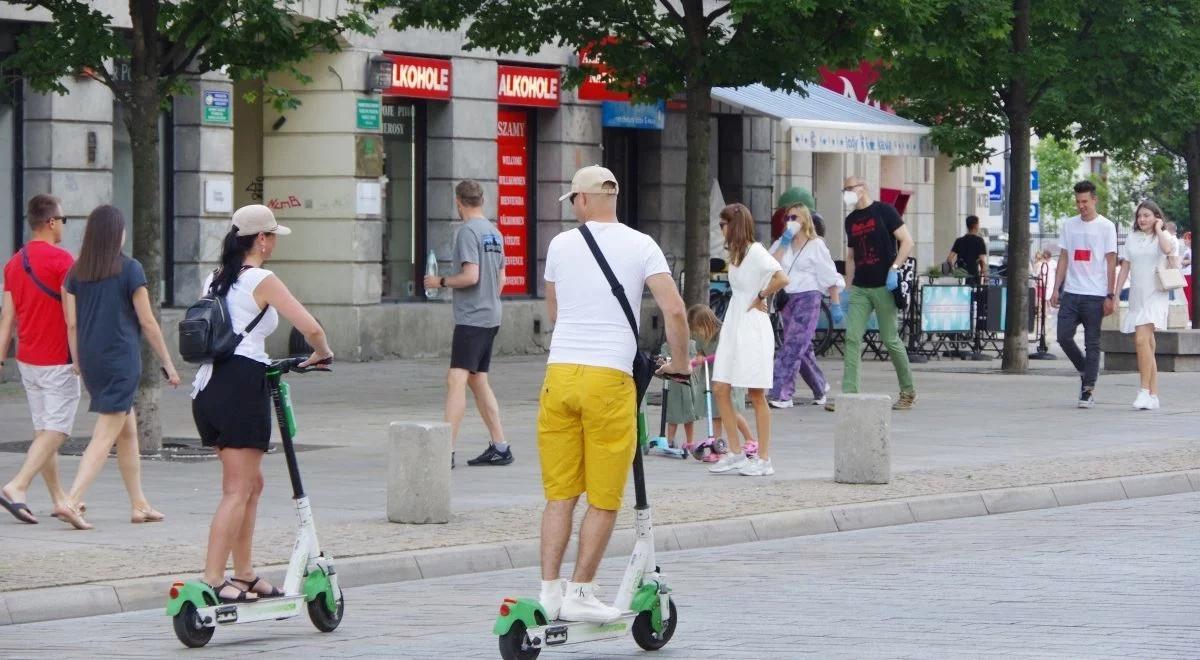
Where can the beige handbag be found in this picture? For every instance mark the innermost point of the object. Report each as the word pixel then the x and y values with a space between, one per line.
pixel 1168 277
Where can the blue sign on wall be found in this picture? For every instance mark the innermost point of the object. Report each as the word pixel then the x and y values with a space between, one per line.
pixel 1034 182
pixel 649 116
pixel 993 182
pixel 1035 212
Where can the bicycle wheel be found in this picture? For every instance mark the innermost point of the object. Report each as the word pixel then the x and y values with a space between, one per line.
pixel 719 302
pixel 823 337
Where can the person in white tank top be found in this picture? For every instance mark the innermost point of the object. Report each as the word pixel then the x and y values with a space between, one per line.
pixel 231 404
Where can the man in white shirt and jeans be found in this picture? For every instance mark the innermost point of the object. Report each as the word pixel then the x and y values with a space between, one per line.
pixel 1083 284
pixel 587 419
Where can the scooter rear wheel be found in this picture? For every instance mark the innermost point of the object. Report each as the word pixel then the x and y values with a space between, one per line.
pixel 321 617
pixel 643 630
pixel 514 644
pixel 189 629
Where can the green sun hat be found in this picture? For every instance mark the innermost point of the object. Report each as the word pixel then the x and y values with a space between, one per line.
pixel 797 195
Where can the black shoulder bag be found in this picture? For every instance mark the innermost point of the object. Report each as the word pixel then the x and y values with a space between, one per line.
pixel 40 284
pixel 643 365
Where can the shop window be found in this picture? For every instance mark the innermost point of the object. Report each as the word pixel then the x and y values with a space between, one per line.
pixel 404 167
pixel 621 157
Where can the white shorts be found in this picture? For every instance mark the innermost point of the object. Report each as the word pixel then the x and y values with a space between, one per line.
pixel 53 394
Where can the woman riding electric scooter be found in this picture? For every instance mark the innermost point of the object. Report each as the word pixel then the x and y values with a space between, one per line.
pixel 231 402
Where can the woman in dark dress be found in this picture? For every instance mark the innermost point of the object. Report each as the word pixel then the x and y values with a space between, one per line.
pixel 108 311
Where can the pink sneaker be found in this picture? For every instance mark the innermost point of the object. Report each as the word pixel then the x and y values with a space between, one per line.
pixel 751 448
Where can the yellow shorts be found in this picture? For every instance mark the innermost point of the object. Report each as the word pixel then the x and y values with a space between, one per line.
pixel 587 433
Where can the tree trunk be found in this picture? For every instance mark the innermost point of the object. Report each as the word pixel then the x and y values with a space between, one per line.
pixel 1016 328
pixel 144 106
pixel 1191 153
pixel 696 193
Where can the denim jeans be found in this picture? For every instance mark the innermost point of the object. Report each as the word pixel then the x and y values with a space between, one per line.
pixel 1088 310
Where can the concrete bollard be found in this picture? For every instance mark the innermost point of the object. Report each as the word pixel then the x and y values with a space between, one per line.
pixel 418 487
pixel 861 439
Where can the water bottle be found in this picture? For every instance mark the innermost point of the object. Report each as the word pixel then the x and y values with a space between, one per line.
pixel 431 268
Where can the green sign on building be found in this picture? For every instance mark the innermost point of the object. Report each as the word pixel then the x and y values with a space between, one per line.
pixel 216 107
pixel 368 114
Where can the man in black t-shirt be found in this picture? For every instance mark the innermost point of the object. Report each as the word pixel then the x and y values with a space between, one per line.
pixel 879 244
pixel 970 251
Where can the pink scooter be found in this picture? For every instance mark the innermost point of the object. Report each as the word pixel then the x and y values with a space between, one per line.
pixel 710 449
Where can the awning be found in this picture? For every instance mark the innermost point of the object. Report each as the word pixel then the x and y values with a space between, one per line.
pixel 826 121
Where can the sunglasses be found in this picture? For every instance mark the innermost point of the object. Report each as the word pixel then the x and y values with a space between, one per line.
pixel 722 224
pixel 60 218
pixel 572 197
pixel 849 188
pixel 792 217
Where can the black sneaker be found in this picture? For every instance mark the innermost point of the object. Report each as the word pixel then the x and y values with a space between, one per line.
pixel 492 456
pixel 1085 398
pixel 451 460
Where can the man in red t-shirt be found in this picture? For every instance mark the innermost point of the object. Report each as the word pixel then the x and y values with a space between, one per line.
pixel 33 283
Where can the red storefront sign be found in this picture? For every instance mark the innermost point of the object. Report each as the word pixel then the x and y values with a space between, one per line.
pixel 419 77
pixel 512 147
pixel 524 85
pixel 854 83
pixel 593 87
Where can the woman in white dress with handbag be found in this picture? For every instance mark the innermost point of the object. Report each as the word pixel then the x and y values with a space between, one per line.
pixel 746 352
pixel 1150 260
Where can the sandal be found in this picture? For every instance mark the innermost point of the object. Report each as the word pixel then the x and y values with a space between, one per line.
pixel 19 510
pixel 273 593
pixel 71 516
pixel 242 596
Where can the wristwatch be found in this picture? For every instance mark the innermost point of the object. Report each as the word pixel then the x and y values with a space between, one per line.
pixel 1111 296
pixel 443 283
pixel 762 296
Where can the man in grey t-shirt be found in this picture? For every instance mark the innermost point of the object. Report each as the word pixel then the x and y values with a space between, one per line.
pixel 479 258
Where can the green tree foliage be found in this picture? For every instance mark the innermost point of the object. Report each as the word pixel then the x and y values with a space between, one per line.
pixel 989 67
pixel 1057 161
pixel 167 42
pixel 659 48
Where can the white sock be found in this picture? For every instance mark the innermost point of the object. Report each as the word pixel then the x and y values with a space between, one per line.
pixel 549 586
pixel 500 446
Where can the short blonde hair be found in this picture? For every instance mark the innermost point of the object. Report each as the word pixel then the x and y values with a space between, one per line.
pixel 807 228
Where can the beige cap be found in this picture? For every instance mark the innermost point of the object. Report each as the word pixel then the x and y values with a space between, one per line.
pixel 591 179
pixel 257 219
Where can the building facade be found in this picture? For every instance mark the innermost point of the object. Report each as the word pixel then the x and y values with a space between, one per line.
pixel 363 171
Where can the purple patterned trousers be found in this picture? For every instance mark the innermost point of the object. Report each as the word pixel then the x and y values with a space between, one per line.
pixel 799 319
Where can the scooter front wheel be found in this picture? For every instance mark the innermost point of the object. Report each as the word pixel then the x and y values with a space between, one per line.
pixel 321 617
pixel 514 644
pixel 644 633
pixel 189 629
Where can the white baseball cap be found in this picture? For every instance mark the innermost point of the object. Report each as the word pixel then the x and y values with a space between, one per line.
pixel 257 219
pixel 591 180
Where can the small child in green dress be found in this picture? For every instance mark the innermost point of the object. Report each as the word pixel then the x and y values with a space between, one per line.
pixel 681 402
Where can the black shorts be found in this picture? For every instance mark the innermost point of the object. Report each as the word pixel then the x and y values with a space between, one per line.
pixel 472 348
pixel 234 409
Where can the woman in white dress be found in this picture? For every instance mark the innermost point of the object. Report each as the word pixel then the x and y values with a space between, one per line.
pixel 746 352
pixel 1148 247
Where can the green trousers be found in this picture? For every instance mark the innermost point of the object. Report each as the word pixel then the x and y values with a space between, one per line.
pixel 862 302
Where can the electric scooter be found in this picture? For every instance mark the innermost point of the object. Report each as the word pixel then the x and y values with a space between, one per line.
pixel 311 579
pixel 660 446
pixel 710 449
pixel 648 612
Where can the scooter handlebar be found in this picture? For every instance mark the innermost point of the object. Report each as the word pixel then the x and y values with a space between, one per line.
pixel 701 360
pixel 292 365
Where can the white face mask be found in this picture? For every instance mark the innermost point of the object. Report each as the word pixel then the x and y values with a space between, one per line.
pixel 849 197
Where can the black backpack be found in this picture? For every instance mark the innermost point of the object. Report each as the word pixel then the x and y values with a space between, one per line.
pixel 206 333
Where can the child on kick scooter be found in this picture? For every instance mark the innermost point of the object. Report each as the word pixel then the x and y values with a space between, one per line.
pixel 683 405
pixel 705 331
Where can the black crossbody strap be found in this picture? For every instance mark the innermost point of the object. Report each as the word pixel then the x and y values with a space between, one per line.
pixel 617 289
pixel 256 320
pixel 41 285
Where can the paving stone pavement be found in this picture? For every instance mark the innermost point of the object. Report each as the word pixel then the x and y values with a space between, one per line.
pixel 1110 580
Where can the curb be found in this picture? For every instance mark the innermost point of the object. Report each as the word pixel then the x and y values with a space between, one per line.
pixel 144 593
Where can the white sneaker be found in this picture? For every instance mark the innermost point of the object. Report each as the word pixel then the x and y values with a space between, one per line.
pixel 581 604
pixel 780 403
pixel 824 397
pixel 551 597
pixel 1142 402
pixel 729 462
pixel 757 467
pixel 1154 405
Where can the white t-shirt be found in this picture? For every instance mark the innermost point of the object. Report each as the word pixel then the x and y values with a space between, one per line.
pixel 1086 245
pixel 812 269
pixel 242 310
pixel 591 328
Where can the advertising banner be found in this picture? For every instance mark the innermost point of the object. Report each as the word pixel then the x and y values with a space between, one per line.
pixel 512 216
pixel 649 116
pixel 419 77
pixel 946 308
pixel 528 86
